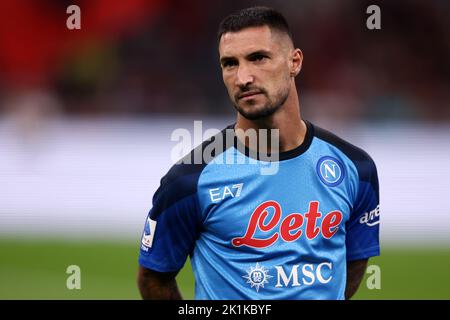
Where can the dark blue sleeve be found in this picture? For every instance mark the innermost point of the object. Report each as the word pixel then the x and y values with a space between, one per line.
pixel 173 223
pixel 362 228
pixel 362 238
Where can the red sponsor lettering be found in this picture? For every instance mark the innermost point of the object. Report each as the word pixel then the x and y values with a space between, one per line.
pixel 289 224
pixel 257 220
pixel 331 221
pixel 290 227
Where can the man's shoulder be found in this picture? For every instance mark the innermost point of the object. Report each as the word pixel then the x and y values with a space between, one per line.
pixel 192 164
pixel 181 180
pixel 360 158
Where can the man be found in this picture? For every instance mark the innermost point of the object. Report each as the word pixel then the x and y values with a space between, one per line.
pixel 303 232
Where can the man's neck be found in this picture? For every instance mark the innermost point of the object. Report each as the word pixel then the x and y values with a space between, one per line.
pixel 292 129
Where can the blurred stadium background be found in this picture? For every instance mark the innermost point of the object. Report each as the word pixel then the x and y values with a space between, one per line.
pixel 86 118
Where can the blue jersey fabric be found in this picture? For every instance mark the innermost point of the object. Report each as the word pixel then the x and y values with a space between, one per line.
pixel 287 235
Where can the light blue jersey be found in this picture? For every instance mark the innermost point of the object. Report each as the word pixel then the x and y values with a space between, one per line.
pixel 287 235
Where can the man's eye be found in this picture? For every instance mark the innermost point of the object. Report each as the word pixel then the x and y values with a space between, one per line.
pixel 228 64
pixel 258 57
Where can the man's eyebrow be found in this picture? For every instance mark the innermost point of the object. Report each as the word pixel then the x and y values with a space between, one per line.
pixel 258 53
pixel 248 56
pixel 226 59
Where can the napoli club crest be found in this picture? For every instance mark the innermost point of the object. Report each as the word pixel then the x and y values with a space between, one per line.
pixel 330 171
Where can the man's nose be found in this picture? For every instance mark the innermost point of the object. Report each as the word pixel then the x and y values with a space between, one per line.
pixel 244 76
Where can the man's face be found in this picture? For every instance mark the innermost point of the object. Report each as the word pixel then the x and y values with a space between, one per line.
pixel 256 70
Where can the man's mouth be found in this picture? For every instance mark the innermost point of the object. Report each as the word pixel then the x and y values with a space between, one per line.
pixel 249 94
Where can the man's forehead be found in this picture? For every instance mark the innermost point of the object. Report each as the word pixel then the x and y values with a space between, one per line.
pixel 247 40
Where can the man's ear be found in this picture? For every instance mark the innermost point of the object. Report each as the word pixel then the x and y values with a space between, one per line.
pixel 297 59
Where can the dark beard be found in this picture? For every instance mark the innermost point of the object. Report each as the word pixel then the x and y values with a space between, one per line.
pixel 268 109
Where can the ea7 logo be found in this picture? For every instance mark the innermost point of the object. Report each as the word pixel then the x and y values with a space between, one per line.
pixel 371 218
pixel 232 191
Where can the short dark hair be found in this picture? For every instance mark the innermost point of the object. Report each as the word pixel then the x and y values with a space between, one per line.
pixel 254 17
